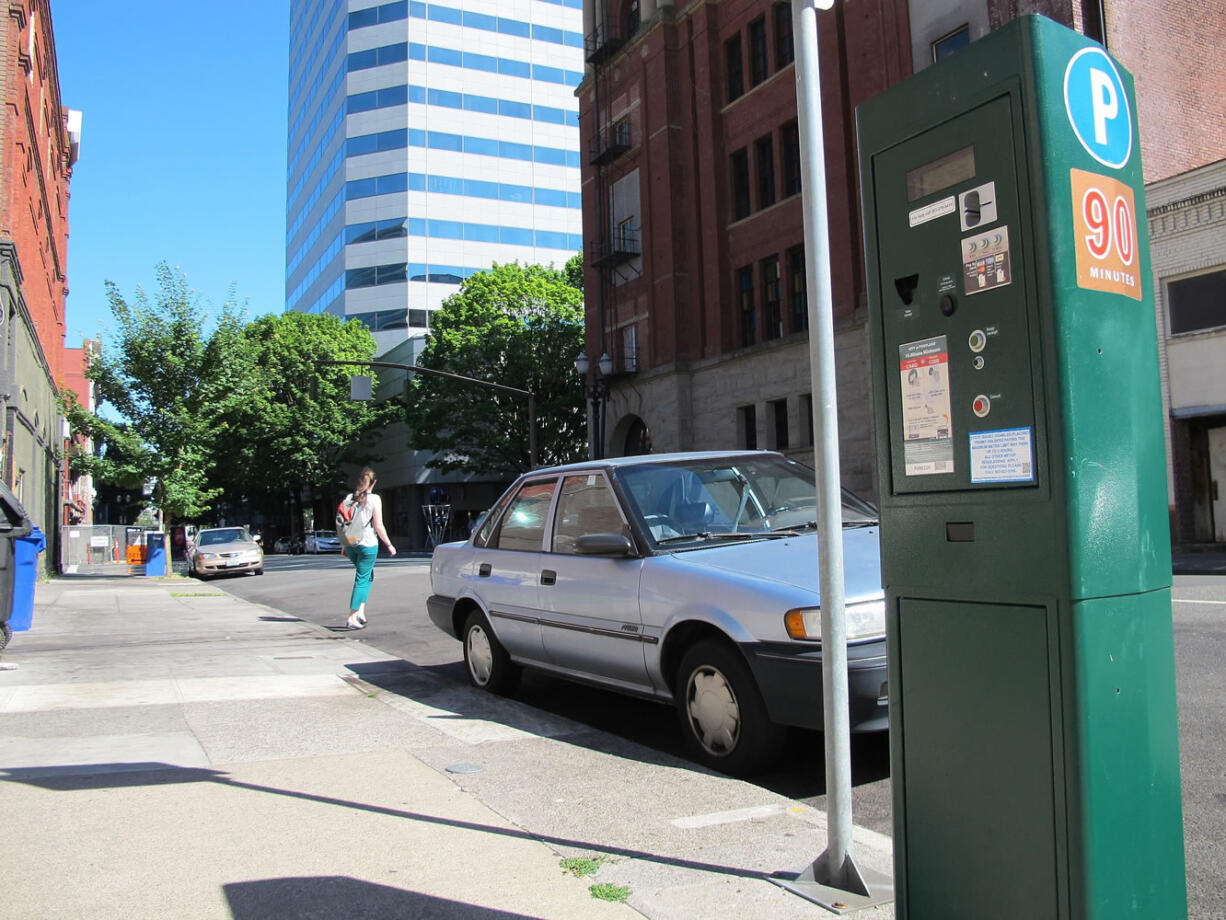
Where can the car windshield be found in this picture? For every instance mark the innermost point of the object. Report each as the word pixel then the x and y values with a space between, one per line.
pixel 228 535
pixel 739 497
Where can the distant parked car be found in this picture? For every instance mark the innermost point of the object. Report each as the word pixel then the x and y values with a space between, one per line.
pixel 322 541
pixel 292 545
pixel 224 551
pixel 691 579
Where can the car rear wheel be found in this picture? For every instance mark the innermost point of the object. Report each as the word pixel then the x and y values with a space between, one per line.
pixel 723 719
pixel 489 665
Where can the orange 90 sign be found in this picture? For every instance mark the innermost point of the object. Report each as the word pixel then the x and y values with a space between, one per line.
pixel 1104 215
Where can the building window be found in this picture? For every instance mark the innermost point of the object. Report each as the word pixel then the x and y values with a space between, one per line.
pixel 946 45
pixel 740 184
pixel 375 275
pixel 785 48
pixel 770 298
pixel 419 319
pixel 757 51
pixel 1197 303
pixel 789 136
pixel 806 410
pixel 748 316
pixel 796 287
pixel 764 156
pixel 630 349
pixel 747 427
pixel 631 20
pixel 778 410
pixel 735 67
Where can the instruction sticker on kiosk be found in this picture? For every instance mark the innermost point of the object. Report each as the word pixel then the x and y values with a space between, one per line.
pixel 1006 455
pixel 928 446
pixel 985 260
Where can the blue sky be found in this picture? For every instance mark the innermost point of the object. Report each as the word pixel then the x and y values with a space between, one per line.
pixel 182 150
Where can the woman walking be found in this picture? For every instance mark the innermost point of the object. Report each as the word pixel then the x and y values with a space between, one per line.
pixel 367 508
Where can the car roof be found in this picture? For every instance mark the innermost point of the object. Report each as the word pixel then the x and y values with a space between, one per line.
pixel 640 459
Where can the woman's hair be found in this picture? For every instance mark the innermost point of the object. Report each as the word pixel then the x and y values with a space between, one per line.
pixel 366 482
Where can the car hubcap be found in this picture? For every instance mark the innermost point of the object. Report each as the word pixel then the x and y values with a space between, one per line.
pixel 480 655
pixel 715 717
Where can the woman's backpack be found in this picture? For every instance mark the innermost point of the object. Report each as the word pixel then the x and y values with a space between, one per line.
pixel 352 519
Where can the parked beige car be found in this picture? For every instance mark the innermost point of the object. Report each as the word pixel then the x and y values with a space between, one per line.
pixel 224 551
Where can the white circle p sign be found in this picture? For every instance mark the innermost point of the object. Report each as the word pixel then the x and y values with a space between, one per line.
pixel 1097 106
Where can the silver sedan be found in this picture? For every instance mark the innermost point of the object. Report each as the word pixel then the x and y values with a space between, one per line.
pixel 225 551
pixel 691 579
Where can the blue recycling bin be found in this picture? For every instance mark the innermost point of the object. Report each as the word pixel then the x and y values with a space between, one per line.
pixel 155 552
pixel 25 574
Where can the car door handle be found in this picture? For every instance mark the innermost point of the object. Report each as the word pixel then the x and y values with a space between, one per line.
pixel 549 577
pixel 484 570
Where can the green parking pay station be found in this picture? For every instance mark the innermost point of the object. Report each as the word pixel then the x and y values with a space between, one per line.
pixel 1025 542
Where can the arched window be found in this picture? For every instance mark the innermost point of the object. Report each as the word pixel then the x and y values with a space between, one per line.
pixel 638 439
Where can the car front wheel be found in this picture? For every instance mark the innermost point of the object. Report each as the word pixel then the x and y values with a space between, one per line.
pixel 723 719
pixel 489 665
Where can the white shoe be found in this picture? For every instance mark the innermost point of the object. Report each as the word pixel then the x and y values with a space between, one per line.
pixel 361 614
pixel 354 623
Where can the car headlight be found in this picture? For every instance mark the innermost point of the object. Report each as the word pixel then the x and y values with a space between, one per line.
pixel 209 556
pixel 863 621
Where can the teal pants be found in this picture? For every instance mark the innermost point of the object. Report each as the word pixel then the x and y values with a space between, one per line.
pixel 363 559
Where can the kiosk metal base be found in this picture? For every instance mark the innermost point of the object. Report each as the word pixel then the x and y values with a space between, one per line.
pixel 854 889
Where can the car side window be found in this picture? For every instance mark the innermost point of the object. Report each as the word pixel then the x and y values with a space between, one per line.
pixel 523 525
pixel 585 505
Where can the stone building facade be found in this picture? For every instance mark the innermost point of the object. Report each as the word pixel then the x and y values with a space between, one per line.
pixel 1187 232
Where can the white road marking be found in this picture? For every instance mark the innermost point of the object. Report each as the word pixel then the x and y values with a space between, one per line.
pixel 728 817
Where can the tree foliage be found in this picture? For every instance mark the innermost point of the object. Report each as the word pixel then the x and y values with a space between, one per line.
pixel 515 325
pixel 174 388
pixel 297 421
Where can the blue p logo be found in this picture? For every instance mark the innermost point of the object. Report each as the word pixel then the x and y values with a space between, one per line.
pixel 1097 106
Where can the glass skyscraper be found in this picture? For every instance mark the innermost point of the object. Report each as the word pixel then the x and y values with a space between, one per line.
pixel 427 141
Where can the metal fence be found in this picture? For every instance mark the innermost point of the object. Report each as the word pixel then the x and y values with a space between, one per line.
pixel 100 548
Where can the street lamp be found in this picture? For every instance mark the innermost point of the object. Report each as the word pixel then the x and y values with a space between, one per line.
pixel 598 393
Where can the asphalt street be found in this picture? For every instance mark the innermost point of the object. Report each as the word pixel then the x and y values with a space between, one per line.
pixel 316 588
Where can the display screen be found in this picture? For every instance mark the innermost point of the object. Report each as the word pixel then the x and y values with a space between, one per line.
pixel 941 173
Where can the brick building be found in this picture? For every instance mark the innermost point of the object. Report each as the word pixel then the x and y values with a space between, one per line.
pixel 692 217
pixel 693 233
pixel 39 140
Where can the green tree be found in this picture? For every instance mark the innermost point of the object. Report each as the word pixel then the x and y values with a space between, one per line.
pixel 297 423
pixel 174 388
pixel 573 270
pixel 516 325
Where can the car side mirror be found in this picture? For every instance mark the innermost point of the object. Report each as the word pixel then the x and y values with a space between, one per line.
pixel 604 544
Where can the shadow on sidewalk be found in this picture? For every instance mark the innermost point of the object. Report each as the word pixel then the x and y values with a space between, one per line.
pixel 341 896
pixel 610 723
pixel 91 777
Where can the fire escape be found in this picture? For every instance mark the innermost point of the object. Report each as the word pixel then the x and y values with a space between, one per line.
pixel 618 241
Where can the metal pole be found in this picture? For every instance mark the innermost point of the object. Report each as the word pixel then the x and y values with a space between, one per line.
pixel 532 430
pixel 835 868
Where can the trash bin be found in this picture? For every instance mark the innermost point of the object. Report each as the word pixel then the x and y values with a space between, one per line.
pixel 25 574
pixel 155 552
pixel 14 524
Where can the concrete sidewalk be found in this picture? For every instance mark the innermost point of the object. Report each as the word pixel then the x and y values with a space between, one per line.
pixel 167 749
